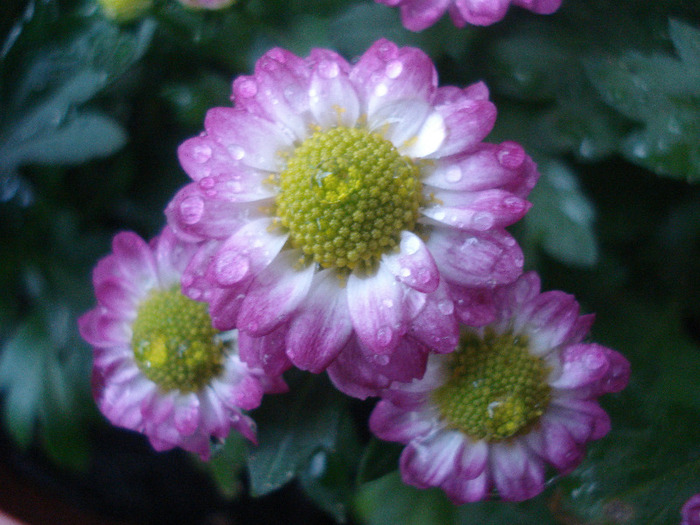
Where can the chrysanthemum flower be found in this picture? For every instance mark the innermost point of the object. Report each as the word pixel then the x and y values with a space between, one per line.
pixel 339 205
pixel 690 513
pixel 159 367
pixel 417 15
pixel 514 396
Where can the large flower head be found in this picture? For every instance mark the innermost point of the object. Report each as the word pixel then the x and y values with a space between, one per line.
pixel 159 367
pixel 339 204
pixel 514 396
pixel 417 15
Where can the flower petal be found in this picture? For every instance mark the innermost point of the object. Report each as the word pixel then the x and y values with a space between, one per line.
pixel 274 294
pixel 413 265
pixel 332 96
pixel 377 310
pixel 517 475
pixel 247 252
pixel 251 140
pixel 476 259
pixel 385 73
pixel 322 329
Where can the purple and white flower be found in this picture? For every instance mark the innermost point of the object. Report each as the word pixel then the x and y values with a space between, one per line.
pixel 417 15
pixel 515 396
pixel 159 367
pixel 349 208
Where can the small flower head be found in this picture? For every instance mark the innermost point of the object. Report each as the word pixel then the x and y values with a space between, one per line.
pixel 344 209
pixel 160 368
pixel 514 396
pixel 417 15
pixel 690 513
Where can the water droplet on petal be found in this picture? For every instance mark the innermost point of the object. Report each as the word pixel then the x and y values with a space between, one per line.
pixel 236 152
pixel 410 245
pixel 247 88
pixel 381 90
pixel 439 215
pixel 191 209
pixel 201 153
pixel 510 155
pixel 446 307
pixel 394 69
pixel 328 69
pixel 482 221
pixel 405 272
pixel 207 183
pixel 381 360
pixel 387 303
pixel 384 336
pixel 453 174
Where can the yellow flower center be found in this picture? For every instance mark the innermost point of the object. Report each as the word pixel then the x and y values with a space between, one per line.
pixel 345 196
pixel 496 388
pixel 174 343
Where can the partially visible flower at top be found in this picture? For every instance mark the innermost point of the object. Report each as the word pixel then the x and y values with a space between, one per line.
pixel 417 15
pixel 159 366
pixel 516 395
pixel 211 5
pixel 123 11
pixel 690 513
pixel 349 207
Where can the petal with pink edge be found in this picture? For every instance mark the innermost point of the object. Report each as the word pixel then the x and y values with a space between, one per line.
pixel 323 326
pixel 377 310
pixel 275 294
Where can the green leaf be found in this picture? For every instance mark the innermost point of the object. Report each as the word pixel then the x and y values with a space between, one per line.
pixel 44 379
pixel 656 469
pixel 329 479
pixel 662 93
pixel 388 501
pixel 77 139
pixel 44 92
pixel 379 458
pixel 686 39
pixel 292 428
pixel 226 464
pixel 561 218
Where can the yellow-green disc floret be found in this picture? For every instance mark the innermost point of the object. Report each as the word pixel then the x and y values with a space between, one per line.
pixel 174 343
pixel 496 388
pixel 345 196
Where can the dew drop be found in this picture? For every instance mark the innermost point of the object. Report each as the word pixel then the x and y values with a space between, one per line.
pixel 405 272
pixel 236 152
pixel 201 153
pixel 191 209
pixel 446 307
pixel 394 69
pixel 381 90
pixel 410 245
pixel 439 215
pixel 510 155
pixel 482 221
pixel 381 360
pixel 387 303
pixel 248 88
pixel 328 69
pixel 207 183
pixel 384 336
pixel 454 174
